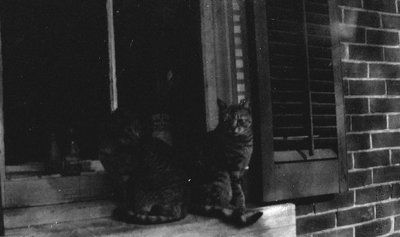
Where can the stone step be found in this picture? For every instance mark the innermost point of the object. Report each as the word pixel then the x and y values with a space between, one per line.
pixel 277 221
pixel 53 214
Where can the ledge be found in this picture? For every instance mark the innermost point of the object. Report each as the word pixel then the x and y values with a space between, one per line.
pixel 277 221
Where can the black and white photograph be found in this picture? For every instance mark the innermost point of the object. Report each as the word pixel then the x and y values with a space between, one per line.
pixel 200 118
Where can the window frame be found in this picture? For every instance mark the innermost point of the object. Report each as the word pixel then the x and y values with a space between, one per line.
pixel 218 75
pixel 2 156
pixel 101 190
pixel 313 178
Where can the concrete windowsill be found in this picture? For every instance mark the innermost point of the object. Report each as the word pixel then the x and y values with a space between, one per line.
pixel 278 220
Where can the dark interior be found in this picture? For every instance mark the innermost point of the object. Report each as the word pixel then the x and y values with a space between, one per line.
pixel 56 68
pixel 152 38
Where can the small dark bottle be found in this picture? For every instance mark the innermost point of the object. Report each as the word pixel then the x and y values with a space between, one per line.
pixel 71 162
pixel 54 164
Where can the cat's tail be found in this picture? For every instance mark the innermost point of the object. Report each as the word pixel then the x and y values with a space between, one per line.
pixel 145 218
pixel 236 217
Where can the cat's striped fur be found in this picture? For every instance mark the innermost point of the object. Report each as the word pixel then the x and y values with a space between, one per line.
pixel 151 184
pixel 217 190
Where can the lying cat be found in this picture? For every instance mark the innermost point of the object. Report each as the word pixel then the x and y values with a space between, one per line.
pixel 151 184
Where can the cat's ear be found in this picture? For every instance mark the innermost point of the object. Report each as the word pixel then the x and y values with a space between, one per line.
pixel 245 103
pixel 221 105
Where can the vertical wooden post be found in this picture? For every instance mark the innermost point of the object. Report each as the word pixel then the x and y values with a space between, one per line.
pixel 225 51
pixel 260 74
pixel 339 94
pixel 111 56
pixel 2 154
pixel 218 56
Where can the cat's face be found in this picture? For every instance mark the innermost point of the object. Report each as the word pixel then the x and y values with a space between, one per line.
pixel 131 132
pixel 126 126
pixel 235 119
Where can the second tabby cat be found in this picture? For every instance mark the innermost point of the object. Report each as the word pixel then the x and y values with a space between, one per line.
pixel 226 154
pixel 151 184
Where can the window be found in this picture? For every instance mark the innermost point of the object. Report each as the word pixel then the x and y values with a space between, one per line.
pixel 60 71
pixel 297 92
pixel 56 77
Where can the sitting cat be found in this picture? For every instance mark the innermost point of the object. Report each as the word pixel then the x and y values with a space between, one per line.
pixel 217 189
pixel 151 184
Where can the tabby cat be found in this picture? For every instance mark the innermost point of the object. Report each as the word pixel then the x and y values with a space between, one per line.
pixel 152 187
pixel 217 190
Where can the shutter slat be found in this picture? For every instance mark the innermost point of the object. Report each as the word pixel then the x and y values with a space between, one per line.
pixel 280 96
pixel 324 120
pixel 289 131
pixel 287 85
pixel 288 145
pixel 317 8
pixel 323 97
pixel 288 120
pixel 301 74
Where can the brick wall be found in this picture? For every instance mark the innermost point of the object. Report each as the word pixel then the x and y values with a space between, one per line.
pixel 371 65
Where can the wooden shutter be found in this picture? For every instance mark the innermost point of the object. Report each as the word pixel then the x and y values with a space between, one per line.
pixel 299 95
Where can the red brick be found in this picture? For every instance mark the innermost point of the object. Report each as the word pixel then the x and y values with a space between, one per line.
pixel 373 194
pixel 371 159
pixel 350 164
pixel 394 235
pixel 350 3
pixel 353 34
pixel 387 209
pixel 336 233
pixel 355 215
pixel 398 6
pixel 386 174
pixel 396 190
pixel 355 70
pixel 393 87
pixel 394 121
pixel 391 22
pixel 357 142
pixel 373 229
pixel 347 123
pixel 396 156
pixel 339 200
pixel 384 71
pixel 385 105
pixel 359 178
pixel 379 5
pixel 356 105
pixel 304 209
pixel 382 37
pixel 346 89
pixel 372 87
pixel 315 223
pixel 386 139
pixel 367 53
pixel 367 123
pixel 392 54
pixel 397 223
pixel 362 18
